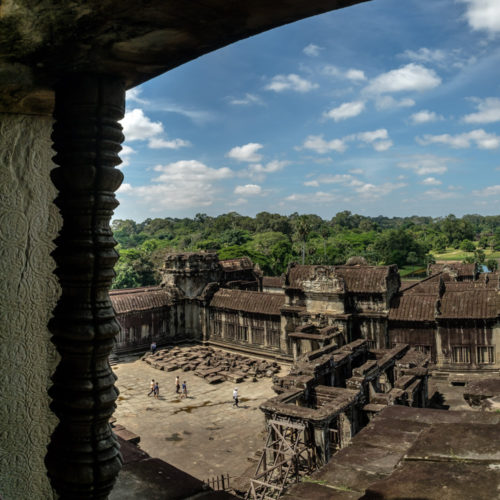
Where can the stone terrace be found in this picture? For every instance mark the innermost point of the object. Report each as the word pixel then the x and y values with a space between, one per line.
pixel 410 453
pixel 201 435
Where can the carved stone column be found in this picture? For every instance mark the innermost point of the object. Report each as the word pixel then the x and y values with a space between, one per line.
pixel 83 458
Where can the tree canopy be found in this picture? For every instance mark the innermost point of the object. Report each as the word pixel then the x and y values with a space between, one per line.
pixel 274 240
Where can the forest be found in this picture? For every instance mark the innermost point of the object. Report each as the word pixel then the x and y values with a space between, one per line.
pixel 273 241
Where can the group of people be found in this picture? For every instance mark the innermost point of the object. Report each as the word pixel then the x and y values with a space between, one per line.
pixel 184 393
pixel 155 389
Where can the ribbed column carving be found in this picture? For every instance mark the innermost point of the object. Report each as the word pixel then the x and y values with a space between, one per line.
pixel 83 459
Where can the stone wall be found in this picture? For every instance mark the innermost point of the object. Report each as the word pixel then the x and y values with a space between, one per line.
pixel 29 222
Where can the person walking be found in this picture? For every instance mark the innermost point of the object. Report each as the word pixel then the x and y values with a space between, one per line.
pixel 177 385
pixel 153 347
pixel 184 390
pixel 235 397
pixel 157 390
pixel 152 387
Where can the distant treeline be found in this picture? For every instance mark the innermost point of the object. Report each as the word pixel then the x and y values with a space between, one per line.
pixel 273 240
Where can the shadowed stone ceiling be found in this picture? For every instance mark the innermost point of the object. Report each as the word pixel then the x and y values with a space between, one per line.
pixel 42 40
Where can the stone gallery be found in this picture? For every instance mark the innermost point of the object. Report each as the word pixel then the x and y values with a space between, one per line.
pixel 452 316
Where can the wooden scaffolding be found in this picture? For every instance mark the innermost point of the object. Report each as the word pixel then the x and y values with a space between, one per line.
pixel 286 457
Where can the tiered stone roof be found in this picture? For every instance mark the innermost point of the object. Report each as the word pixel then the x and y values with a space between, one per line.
pixel 241 264
pixel 435 298
pixel 248 301
pixel 139 299
pixel 357 279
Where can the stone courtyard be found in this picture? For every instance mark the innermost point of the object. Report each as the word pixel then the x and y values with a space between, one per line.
pixel 203 435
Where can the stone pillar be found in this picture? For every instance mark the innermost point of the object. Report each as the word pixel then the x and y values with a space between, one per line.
pixel 29 222
pixel 83 459
pixel 345 428
pixel 321 442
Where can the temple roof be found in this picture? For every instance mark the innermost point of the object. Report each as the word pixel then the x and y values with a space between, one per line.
pixel 272 281
pixel 241 264
pixel 462 270
pixel 357 279
pixel 457 299
pixel 413 307
pixel 470 304
pixel 139 299
pixel 247 301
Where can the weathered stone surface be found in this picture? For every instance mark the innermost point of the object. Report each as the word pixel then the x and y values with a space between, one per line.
pixel 211 364
pixel 29 222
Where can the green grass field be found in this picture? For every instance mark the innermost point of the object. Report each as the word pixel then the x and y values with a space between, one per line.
pixel 456 254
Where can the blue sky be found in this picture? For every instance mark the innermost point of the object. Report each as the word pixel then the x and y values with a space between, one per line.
pixel 387 107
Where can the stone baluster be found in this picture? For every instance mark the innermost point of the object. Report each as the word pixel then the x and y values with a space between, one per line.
pixel 83 456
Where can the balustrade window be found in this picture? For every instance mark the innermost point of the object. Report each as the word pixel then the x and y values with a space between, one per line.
pixel 460 354
pixel 217 328
pixel 242 334
pixel 485 354
pixel 258 335
pixel 273 337
pixel 230 331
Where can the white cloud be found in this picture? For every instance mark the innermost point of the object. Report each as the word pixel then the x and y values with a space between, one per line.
pixel 483 15
pixel 279 83
pixel 258 172
pixel 382 145
pixel 248 100
pixel 438 194
pixel 198 116
pixel 318 197
pixel 488 111
pixel 425 55
pixel 357 171
pixel 248 190
pixel 381 133
pixel 158 143
pixel 409 78
pixel 318 144
pixel 424 116
pixel 388 102
pixel 311 183
pixel 379 139
pixel 346 110
pixel 355 74
pixel 426 164
pixel 238 202
pixel 488 191
pixel 269 168
pixel 312 50
pixel 431 181
pixel 482 139
pixel 184 184
pixel 125 155
pixel 124 188
pixel 371 191
pixel 340 179
pixel 248 152
pixel 331 70
pixel 137 126
pixel 133 95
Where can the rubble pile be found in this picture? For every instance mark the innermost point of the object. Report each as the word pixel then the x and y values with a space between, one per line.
pixel 212 365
